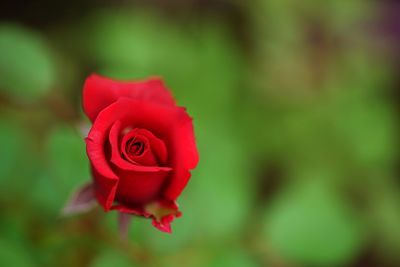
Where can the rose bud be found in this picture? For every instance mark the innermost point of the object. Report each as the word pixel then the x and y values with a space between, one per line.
pixel 141 148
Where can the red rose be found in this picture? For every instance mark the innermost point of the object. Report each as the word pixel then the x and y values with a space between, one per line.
pixel 141 147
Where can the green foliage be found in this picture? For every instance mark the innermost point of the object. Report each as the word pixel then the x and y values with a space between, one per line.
pixel 366 128
pixel 65 147
pixel 14 255
pixel 313 226
pixel 224 176
pixel 68 168
pixel 19 159
pixel 384 217
pixel 112 257
pixel 12 139
pixel 27 68
pixel 233 258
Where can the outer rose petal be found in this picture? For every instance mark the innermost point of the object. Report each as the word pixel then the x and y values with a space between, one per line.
pixel 105 180
pixel 105 188
pixel 99 92
pixel 186 157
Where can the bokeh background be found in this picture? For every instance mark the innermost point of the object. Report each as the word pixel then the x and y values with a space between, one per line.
pixel 295 106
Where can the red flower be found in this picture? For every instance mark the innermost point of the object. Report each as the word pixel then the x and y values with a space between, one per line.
pixel 141 147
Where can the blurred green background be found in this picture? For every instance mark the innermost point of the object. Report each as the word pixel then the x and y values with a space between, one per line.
pixel 295 106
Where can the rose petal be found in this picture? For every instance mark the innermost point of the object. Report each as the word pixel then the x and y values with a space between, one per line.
pixel 163 121
pixel 147 158
pixel 163 213
pixel 185 156
pixel 161 208
pixel 139 187
pixel 138 210
pixel 121 162
pixel 177 182
pixel 157 145
pixel 165 224
pixel 169 209
pixel 105 188
pixel 105 180
pixel 99 92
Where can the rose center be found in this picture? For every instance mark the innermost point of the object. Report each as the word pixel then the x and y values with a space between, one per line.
pixel 135 147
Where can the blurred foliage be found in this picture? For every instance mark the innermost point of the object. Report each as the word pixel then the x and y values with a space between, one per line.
pixel 27 68
pixel 311 225
pixel 111 257
pixel 295 111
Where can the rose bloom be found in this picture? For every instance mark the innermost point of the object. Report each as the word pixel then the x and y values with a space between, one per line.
pixel 141 147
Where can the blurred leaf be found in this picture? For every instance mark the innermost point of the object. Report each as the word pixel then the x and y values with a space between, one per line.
pixel 369 130
pixel 112 257
pixel 68 156
pixel 68 168
pixel 147 236
pixel 277 17
pixel 161 243
pixel 26 64
pixel 214 77
pixel 220 190
pixel 385 217
pixel 12 142
pixel 344 16
pixel 13 225
pixel 132 45
pixel 14 255
pixel 311 225
pixel 19 161
pixel 234 258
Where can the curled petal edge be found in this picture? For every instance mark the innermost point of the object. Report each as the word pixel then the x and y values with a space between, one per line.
pixel 162 213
